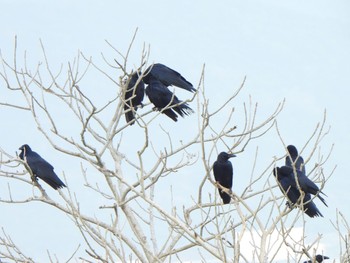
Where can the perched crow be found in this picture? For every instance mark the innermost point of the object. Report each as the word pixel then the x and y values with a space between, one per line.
pixel 318 258
pixel 304 182
pixel 133 97
pixel 287 185
pixel 40 168
pixel 296 159
pixel 162 98
pixel 167 76
pixel 223 173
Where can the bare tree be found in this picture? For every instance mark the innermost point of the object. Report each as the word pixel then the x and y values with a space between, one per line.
pixel 135 168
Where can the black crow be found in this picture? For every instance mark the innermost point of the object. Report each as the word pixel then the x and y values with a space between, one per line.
pixel 318 258
pixel 133 97
pixel 303 182
pixel 167 76
pixel 223 173
pixel 296 159
pixel 40 168
pixel 162 98
pixel 288 188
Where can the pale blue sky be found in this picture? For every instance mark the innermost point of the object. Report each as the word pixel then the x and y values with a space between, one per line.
pixel 295 50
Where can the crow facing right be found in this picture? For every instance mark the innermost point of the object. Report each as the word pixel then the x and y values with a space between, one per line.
pixel 40 168
pixel 318 258
pixel 223 173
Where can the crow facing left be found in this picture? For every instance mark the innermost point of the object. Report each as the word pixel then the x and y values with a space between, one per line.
pixel 133 97
pixel 167 76
pixel 165 101
pixel 300 180
pixel 158 78
pixel 292 181
pixel 293 158
pixel 40 168
pixel 286 182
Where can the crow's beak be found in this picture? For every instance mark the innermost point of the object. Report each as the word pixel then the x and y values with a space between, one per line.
pixel 231 155
pixel 275 171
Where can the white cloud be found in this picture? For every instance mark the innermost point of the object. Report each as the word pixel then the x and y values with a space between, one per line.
pixel 276 249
